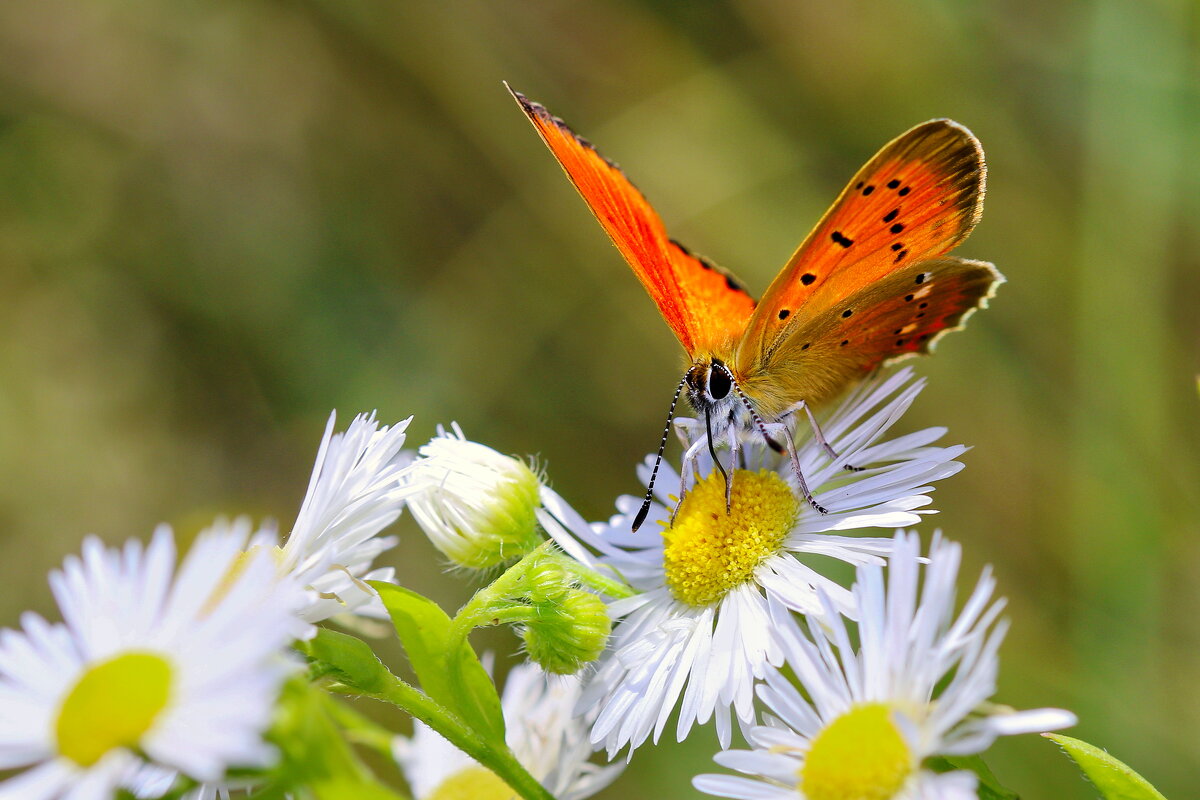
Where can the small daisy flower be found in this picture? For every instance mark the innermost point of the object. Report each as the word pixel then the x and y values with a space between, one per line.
pixel 357 489
pixel 543 731
pixel 151 668
pixel 698 633
pixel 915 686
pixel 475 505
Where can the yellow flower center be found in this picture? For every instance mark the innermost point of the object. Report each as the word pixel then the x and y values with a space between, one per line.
pixel 859 756
pixel 709 551
pixel 473 783
pixel 113 704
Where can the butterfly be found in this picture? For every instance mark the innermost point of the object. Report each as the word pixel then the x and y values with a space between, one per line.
pixel 871 283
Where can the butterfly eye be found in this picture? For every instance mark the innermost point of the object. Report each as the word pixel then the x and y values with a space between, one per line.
pixel 718 383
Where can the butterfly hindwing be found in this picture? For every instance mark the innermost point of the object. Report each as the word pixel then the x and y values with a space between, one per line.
pixel 702 304
pixel 916 199
pixel 903 314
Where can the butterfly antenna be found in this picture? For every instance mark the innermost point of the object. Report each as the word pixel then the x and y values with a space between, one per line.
pixel 662 446
pixel 762 427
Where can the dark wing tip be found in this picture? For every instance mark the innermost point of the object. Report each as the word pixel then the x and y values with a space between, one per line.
pixel 962 155
pixel 529 106
pixel 536 111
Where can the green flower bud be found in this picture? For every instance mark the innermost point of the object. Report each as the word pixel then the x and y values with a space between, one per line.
pixel 547 582
pixel 476 505
pixel 569 633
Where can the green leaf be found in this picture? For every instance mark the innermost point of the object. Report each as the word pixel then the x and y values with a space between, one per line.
pixel 1113 779
pixel 452 676
pixel 350 660
pixel 990 787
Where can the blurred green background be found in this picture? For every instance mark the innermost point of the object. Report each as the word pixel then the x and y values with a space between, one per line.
pixel 219 220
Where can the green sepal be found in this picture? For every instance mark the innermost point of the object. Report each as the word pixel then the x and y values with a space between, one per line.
pixel 1112 778
pixel 450 675
pixel 990 787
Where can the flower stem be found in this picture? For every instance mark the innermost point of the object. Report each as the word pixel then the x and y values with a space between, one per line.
pixel 499 760
pixel 478 609
pixel 591 578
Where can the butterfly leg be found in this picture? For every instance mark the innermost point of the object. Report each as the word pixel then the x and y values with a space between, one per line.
pixel 820 437
pixel 800 475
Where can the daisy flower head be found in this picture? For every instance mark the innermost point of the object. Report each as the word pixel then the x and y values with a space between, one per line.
pixel 543 731
pixel 698 633
pixel 476 505
pixel 357 489
pixel 915 685
pixel 152 668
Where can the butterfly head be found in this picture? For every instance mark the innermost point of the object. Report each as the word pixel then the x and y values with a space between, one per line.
pixel 711 389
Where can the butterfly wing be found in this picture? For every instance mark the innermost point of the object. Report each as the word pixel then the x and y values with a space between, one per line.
pixel 916 199
pixel 902 314
pixel 704 305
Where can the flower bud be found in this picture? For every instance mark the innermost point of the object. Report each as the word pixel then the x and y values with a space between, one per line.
pixel 475 505
pixel 571 631
pixel 546 582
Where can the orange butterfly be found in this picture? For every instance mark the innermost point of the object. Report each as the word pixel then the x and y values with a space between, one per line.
pixel 871 283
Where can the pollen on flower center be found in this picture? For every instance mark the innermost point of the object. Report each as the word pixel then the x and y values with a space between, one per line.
pixel 113 704
pixel 473 783
pixel 708 551
pixel 859 756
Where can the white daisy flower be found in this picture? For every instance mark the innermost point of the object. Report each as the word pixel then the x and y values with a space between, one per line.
pixel 915 686
pixel 152 668
pixel 699 628
pixel 543 731
pixel 357 489
pixel 476 505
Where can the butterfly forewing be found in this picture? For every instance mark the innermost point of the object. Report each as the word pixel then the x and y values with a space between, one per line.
pixel 705 306
pixel 916 199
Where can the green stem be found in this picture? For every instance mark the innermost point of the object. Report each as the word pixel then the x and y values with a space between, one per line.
pixel 591 578
pixel 499 760
pixel 477 610
pixel 515 614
